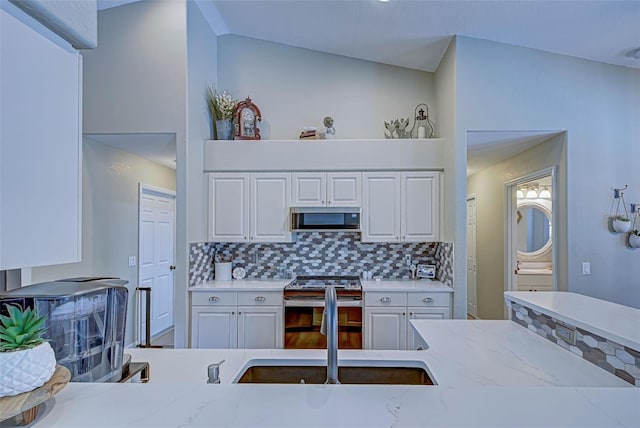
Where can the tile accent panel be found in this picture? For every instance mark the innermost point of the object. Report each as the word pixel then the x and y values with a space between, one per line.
pixel 617 359
pixel 318 253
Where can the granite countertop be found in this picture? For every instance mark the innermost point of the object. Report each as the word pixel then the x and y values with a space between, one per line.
pixel 488 373
pixel 612 321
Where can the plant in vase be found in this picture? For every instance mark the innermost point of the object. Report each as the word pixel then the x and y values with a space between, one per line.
pixel 634 238
pixel 27 359
pixel 620 224
pixel 221 106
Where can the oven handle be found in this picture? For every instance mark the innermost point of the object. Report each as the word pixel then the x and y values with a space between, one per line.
pixel 320 303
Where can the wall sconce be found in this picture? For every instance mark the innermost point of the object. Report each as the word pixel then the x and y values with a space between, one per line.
pixel 545 193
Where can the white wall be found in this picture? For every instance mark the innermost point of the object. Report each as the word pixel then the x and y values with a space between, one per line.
pixel 202 52
pixel 507 87
pixel 296 87
pixel 454 197
pixel 110 218
pixel 488 186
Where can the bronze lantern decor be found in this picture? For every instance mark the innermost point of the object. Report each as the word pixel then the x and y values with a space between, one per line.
pixel 246 116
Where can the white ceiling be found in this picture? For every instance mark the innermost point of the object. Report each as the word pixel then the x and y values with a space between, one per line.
pixel 416 33
pixel 158 148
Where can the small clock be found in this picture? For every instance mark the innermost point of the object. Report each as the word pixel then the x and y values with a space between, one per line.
pixel 246 116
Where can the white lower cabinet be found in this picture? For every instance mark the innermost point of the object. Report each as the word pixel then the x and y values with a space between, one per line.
pixel 255 320
pixel 387 316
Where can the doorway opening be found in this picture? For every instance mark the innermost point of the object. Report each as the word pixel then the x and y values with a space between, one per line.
pixel 531 232
pixel 156 255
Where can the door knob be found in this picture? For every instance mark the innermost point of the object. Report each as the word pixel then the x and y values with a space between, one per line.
pixel 172 267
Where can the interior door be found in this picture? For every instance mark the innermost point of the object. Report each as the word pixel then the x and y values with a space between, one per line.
pixel 472 286
pixel 156 255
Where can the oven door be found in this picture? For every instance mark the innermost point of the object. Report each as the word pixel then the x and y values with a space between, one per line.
pixel 302 322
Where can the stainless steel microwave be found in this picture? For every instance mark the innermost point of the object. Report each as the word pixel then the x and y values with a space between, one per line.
pixel 325 219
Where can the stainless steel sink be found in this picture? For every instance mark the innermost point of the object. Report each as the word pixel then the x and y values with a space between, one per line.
pixel 349 374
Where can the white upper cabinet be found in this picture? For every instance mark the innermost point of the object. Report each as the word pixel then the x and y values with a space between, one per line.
pixel 247 207
pixel 40 146
pixel 326 189
pixel 229 207
pixel 270 202
pixel 381 201
pixel 401 206
pixel 419 201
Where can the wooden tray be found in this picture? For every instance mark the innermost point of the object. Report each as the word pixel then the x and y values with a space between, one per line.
pixel 26 404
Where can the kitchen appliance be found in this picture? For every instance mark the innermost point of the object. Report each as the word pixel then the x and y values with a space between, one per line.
pixel 325 219
pixel 85 323
pixel 426 271
pixel 304 305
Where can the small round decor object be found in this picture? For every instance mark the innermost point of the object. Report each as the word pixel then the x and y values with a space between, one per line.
pixel 239 273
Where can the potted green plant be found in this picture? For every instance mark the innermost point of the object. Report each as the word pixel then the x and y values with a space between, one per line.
pixel 221 106
pixel 27 360
pixel 634 238
pixel 621 223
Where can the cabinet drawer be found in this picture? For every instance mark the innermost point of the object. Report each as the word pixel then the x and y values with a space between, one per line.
pixel 212 298
pixel 261 298
pixel 381 298
pixel 429 299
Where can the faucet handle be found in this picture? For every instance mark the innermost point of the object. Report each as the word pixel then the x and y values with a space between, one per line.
pixel 213 371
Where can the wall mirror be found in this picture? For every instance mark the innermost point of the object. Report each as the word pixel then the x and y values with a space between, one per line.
pixel 534 229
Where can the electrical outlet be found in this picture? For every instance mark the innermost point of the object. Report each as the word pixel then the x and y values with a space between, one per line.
pixel 407 259
pixel 132 261
pixel 586 268
pixel 566 333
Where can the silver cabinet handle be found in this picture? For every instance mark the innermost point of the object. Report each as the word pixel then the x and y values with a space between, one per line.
pixel 260 299
pixel 214 299
pixel 428 300
pixel 385 299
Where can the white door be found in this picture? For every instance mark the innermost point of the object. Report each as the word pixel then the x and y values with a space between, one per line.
pixel 214 328
pixel 270 202
pixel 156 254
pixel 385 328
pixel 472 293
pixel 309 189
pixel 344 189
pixel 229 207
pixel 260 327
pixel 420 204
pixel 381 207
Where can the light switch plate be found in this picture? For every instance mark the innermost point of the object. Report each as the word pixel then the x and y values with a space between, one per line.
pixel 586 268
pixel 566 333
pixel 132 261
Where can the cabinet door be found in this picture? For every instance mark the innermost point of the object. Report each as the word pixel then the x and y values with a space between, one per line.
pixel 228 207
pixel 309 189
pixel 381 207
pixel 420 202
pixel 385 328
pixel 414 341
pixel 270 202
pixel 40 146
pixel 260 327
pixel 214 327
pixel 344 189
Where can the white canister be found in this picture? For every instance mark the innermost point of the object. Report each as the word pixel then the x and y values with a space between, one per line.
pixel 223 271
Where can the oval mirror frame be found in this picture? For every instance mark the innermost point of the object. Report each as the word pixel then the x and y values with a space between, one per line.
pixel 524 255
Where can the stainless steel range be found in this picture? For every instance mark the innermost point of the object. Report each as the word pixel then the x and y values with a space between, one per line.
pixel 304 305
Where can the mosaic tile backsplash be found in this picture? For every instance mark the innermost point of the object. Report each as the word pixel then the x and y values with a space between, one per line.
pixel 320 253
pixel 617 359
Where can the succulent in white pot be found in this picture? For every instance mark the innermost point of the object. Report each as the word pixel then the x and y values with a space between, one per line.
pixel 634 238
pixel 621 224
pixel 27 359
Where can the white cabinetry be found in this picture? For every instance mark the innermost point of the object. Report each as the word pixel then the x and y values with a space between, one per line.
pixel 40 147
pixel 247 207
pixel 401 206
pixel 332 189
pixel 387 316
pixel 229 319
